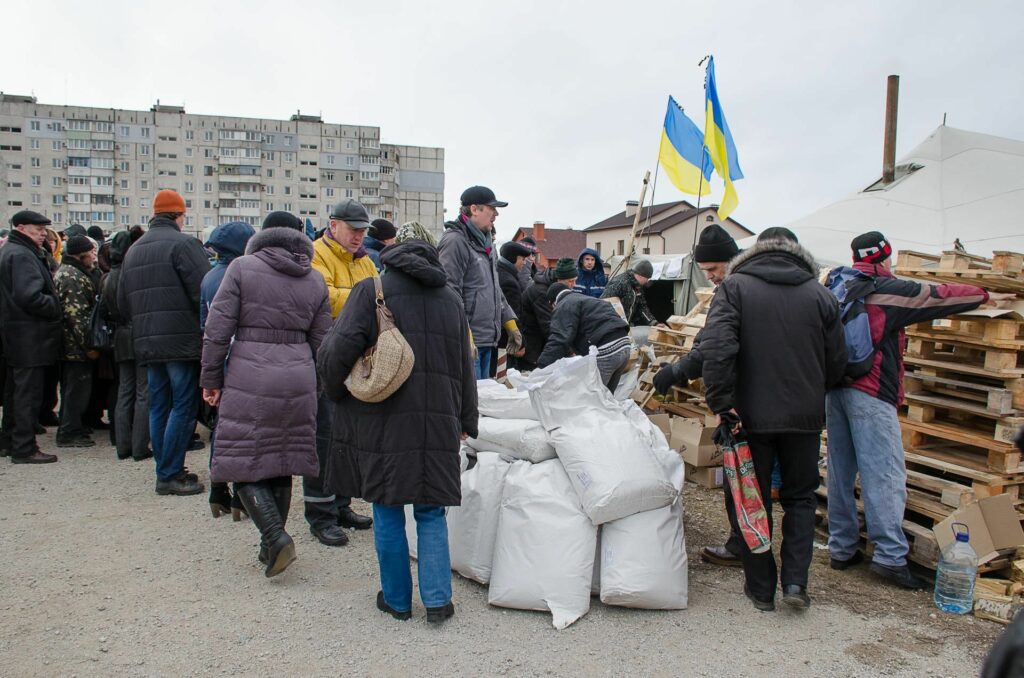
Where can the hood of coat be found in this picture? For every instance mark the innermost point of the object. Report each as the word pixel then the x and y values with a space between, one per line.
pixel 507 265
pixel 598 266
pixel 545 277
pixel 417 259
pixel 460 226
pixel 283 249
pixel 776 261
pixel 229 240
pixel 119 245
pixel 371 243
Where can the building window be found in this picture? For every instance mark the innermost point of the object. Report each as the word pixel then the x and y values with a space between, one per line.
pixel 190 169
pixel 188 152
pixel 35 162
pixel 207 188
pixel 348 192
pixel 37 180
pixel 125 130
pixel 329 192
pixel 647 250
pixel 33 144
pixel 270 207
pixel 144 149
pixel 189 187
pixel 125 184
pixel 143 185
pixel 145 132
pixel 269 190
pixel 287 190
pixel 56 145
pixel 189 135
pixel 287 174
pixel 125 201
pixel 622 247
pixel 34 125
pixel 125 220
pixel 36 198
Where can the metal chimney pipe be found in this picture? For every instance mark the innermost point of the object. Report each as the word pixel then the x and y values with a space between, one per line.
pixel 892 96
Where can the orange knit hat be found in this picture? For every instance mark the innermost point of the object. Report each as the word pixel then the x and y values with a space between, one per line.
pixel 168 202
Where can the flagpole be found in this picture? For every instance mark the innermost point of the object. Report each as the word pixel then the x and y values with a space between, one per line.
pixel 700 186
pixel 654 189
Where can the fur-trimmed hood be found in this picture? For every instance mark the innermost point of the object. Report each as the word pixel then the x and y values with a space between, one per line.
pixel 284 249
pixel 777 261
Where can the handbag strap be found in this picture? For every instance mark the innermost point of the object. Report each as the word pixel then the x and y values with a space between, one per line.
pixel 385 321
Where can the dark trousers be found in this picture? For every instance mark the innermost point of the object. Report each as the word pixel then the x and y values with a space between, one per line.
pixel 131 414
pixel 798 460
pixel 23 391
pixel 75 388
pixel 51 384
pixel 321 505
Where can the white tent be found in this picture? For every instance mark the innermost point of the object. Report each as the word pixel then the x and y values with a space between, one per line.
pixel 955 184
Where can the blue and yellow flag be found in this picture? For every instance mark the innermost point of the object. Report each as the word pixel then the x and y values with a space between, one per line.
pixel 682 152
pixel 718 140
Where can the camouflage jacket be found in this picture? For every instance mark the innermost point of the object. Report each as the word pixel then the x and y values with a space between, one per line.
pixel 77 298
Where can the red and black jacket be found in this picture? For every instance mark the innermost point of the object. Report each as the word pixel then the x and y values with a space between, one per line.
pixel 894 305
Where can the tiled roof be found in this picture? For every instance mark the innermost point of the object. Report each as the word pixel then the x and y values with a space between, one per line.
pixel 558 242
pixel 619 220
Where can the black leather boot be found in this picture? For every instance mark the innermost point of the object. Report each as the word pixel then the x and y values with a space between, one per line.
pixel 259 502
pixel 237 509
pixel 283 498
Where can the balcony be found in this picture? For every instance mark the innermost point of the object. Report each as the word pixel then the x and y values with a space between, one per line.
pixel 240 178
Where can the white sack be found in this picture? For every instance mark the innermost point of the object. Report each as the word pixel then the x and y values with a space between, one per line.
pixel 608 456
pixel 465 452
pixel 544 554
pixel 627 384
pixel 670 460
pixel 643 560
pixel 516 438
pixel 472 527
pixel 498 401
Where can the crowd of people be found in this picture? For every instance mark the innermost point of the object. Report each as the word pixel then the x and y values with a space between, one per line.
pixel 257 334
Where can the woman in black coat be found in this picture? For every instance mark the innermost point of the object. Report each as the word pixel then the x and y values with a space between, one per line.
pixel 405 449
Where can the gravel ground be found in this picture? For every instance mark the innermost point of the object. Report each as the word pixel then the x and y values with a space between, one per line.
pixel 103 577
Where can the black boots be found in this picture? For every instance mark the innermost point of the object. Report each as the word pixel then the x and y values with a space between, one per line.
pixel 261 503
pixel 282 492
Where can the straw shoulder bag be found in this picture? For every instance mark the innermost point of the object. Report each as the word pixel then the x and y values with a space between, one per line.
pixel 387 364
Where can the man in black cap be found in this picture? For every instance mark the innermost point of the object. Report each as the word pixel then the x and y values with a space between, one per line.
pixel 381 234
pixel 77 297
pixel 715 249
pixel 340 256
pixel 470 262
pixel 31 333
pixel 628 288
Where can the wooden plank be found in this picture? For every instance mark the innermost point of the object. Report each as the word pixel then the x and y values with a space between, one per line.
pixel 961 405
pixel 967 466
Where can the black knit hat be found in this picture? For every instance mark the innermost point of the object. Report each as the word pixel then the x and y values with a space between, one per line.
pixel 512 250
pixel 777 233
pixel 382 230
pixel 714 245
pixel 78 244
pixel 73 230
pixel 282 220
pixel 871 247
pixel 554 290
pixel 565 269
pixel 96 233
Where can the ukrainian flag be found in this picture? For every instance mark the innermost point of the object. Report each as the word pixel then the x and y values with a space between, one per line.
pixel 682 152
pixel 718 140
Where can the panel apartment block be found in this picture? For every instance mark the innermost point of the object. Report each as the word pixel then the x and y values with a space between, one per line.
pixel 103 166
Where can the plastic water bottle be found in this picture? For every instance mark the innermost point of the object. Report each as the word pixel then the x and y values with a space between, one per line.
pixel 954 578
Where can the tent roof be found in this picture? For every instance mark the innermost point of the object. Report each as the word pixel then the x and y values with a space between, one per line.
pixel 955 184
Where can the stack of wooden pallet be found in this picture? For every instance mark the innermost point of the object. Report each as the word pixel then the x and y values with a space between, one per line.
pixel 965 384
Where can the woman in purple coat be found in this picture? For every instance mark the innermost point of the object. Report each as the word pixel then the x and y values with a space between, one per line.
pixel 259 351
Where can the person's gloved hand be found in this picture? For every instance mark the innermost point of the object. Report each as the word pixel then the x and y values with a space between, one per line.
pixel 665 379
pixel 515 344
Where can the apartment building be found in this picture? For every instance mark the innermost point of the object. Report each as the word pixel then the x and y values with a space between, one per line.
pixel 103 166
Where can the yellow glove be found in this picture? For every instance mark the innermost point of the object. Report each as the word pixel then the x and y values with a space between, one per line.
pixel 510 326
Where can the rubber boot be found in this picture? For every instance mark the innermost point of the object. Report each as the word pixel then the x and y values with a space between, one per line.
pixel 259 503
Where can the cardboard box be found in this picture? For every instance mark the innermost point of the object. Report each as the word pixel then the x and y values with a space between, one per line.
pixel 706 476
pixel 993 525
pixel 664 422
pixel 694 442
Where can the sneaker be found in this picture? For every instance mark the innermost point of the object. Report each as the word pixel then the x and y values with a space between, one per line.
pixel 180 485
pixel 900 576
pixel 795 596
pixel 763 604
pixel 79 441
pixel 856 559
pixel 384 607
pixel 34 458
pixel 437 615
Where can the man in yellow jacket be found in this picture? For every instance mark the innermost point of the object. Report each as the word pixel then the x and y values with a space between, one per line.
pixel 340 257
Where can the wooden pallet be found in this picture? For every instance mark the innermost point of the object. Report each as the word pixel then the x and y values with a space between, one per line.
pixel 967 471
pixel 953 417
pixel 967 352
pixel 1006 333
pixel 1001 273
pixel 993 387
pixel 999 457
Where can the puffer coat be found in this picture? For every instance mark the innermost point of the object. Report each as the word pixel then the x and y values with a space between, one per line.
pixel 30 312
pixel 405 449
pixel 275 309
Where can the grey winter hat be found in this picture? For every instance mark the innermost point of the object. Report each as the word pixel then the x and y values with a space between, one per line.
pixel 643 268
pixel 352 213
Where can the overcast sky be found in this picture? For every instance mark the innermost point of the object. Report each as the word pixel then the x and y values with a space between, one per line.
pixel 557 106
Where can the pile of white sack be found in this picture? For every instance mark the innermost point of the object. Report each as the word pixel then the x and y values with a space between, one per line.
pixel 573 493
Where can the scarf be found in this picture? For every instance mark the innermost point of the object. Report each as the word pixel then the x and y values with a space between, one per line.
pixel 485 239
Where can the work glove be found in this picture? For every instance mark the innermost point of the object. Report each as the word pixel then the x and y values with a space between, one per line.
pixel 515 345
pixel 665 379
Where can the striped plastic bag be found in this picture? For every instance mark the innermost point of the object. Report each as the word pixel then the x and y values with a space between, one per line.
pixel 738 466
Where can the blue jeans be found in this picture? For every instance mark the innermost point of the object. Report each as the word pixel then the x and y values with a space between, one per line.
pixel 482 366
pixel 433 560
pixel 173 405
pixel 864 436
